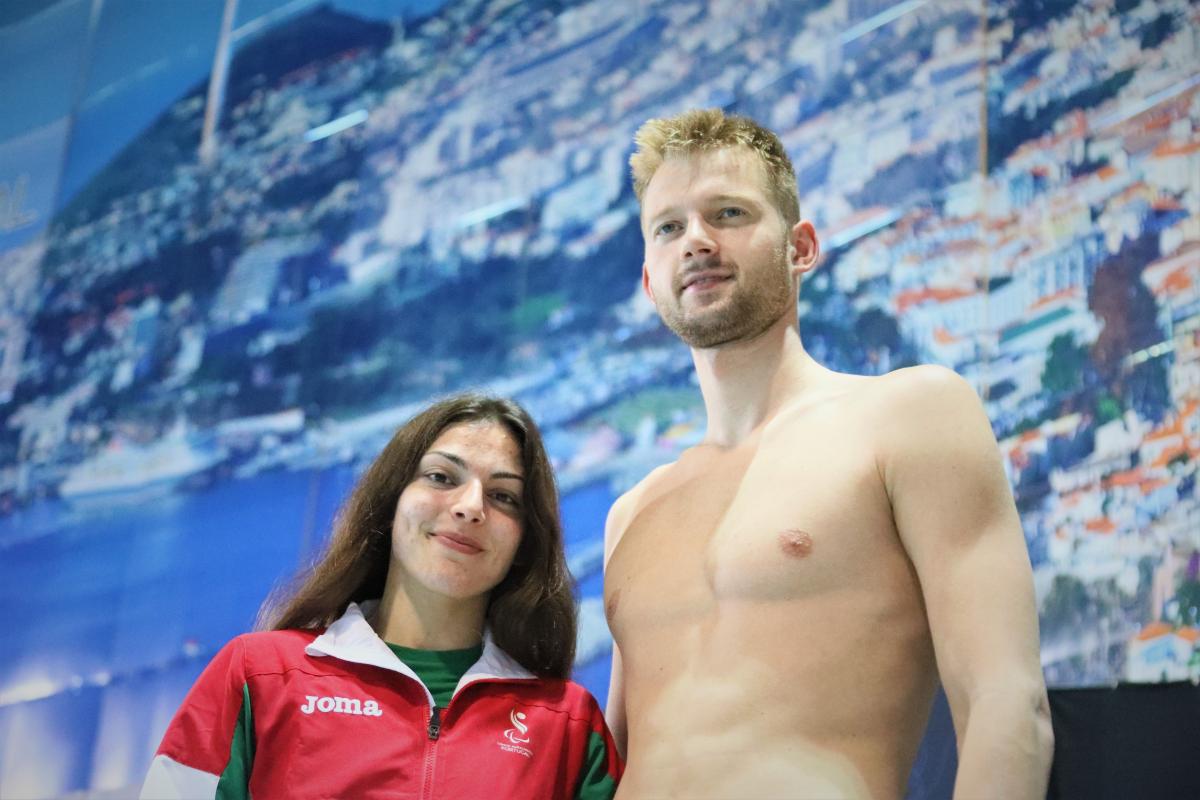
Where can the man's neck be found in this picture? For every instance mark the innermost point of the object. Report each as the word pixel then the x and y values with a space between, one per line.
pixel 426 621
pixel 745 383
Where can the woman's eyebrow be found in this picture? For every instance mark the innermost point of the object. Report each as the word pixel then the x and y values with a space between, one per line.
pixel 460 462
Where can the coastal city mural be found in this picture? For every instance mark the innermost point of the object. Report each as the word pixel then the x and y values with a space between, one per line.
pixel 214 314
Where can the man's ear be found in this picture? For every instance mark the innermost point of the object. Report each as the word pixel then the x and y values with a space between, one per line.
pixel 646 282
pixel 804 250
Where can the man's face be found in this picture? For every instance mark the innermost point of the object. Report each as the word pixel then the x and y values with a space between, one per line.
pixel 718 260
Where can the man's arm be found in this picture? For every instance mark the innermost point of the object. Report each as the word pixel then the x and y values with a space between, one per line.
pixel 614 713
pixel 955 515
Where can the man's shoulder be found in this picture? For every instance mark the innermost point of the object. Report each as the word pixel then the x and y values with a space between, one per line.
pixel 923 377
pixel 870 403
pixel 909 407
pixel 929 391
pixel 929 412
pixel 924 392
pixel 626 507
pixel 919 380
pixel 654 479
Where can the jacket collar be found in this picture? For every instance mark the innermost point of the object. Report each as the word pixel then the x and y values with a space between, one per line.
pixel 351 638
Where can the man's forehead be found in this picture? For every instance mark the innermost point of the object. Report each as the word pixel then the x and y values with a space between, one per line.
pixel 729 169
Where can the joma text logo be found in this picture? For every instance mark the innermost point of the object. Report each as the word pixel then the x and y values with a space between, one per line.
pixel 341 705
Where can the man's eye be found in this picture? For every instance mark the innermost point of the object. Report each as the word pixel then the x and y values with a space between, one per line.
pixel 667 228
pixel 726 213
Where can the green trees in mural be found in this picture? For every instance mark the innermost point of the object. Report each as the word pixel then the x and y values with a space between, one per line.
pixel 1130 324
pixel 1066 605
pixel 1066 363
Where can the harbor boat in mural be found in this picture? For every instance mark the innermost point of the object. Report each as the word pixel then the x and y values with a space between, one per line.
pixel 127 470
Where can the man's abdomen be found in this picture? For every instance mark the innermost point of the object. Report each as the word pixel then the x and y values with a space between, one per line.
pixel 822 698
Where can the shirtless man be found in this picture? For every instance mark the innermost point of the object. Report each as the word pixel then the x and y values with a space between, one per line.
pixel 785 596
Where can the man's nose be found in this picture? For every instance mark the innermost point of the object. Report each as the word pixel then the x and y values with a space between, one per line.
pixel 468 502
pixel 698 240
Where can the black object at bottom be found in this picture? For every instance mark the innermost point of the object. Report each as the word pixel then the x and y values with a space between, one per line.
pixel 1135 741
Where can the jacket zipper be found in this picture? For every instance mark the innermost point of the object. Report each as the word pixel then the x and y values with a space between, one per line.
pixel 434 730
pixel 435 724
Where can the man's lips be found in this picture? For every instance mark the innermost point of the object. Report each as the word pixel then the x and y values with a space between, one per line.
pixel 699 281
pixel 457 542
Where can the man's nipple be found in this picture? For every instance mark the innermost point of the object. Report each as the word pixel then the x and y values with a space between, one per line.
pixel 610 606
pixel 796 543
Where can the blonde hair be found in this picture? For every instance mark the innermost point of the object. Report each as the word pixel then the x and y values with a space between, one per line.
pixel 706 130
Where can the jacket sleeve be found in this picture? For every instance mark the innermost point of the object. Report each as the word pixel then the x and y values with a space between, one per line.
pixel 208 749
pixel 602 765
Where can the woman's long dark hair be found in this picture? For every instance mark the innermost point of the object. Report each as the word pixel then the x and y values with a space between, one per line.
pixel 531 613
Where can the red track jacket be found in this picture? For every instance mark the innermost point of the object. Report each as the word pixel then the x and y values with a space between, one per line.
pixel 293 714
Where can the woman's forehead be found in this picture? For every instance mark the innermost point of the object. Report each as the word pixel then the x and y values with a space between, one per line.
pixel 480 440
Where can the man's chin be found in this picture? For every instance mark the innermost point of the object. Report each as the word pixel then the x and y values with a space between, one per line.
pixel 707 338
pixel 719 331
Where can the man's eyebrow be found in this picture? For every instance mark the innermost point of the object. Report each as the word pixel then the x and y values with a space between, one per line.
pixel 460 462
pixel 715 199
pixel 734 198
pixel 660 213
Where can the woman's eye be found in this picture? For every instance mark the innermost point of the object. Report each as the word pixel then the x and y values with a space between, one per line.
pixel 437 476
pixel 507 498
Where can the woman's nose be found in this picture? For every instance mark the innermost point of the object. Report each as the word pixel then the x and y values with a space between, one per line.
pixel 468 503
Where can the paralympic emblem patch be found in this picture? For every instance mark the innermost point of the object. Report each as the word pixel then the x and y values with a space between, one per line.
pixel 517 735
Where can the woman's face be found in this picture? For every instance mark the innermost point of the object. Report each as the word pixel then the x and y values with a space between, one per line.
pixel 459 521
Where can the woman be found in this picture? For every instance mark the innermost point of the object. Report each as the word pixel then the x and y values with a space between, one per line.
pixel 425 655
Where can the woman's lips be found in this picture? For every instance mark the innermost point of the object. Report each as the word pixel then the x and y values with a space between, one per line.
pixel 457 543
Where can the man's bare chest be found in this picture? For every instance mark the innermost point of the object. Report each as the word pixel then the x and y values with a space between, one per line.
pixel 774 523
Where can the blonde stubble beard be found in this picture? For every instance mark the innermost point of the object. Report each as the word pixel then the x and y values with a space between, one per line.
pixel 750 311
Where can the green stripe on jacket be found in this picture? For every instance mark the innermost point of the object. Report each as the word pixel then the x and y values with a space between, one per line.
pixel 235 780
pixel 596 783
